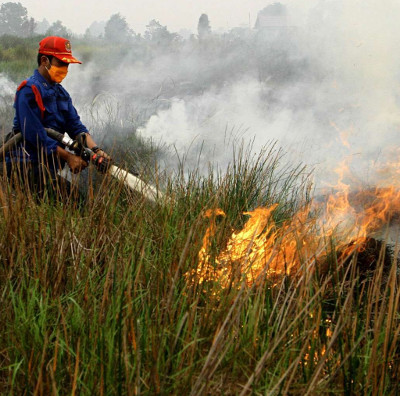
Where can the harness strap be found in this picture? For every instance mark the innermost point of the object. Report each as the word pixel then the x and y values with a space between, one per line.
pixel 39 100
pixel 22 85
pixel 38 96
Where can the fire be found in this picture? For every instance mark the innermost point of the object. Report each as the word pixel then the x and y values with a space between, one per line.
pixel 343 135
pixel 265 248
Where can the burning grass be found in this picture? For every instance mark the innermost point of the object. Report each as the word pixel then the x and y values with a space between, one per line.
pixel 279 295
pixel 265 248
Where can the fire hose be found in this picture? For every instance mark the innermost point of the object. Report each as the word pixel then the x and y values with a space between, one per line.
pixel 102 164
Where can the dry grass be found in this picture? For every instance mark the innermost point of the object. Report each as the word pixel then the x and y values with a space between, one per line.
pixel 94 300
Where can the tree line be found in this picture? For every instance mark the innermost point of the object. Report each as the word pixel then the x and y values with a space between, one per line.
pixel 15 21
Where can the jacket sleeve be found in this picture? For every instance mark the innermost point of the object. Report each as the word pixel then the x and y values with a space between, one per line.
pixel 28 118
pixel 73 122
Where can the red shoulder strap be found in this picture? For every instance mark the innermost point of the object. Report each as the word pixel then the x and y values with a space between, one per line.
pixel 39 100
pixel 19 88
pixel 38 96
pixel 22 85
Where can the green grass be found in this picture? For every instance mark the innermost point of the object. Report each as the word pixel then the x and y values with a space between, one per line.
pixel 96 300
pixel 18 57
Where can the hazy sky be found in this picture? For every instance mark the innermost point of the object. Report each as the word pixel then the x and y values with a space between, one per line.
pixel 77 15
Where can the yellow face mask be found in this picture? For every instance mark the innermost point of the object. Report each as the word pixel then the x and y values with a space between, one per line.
pixel 57 73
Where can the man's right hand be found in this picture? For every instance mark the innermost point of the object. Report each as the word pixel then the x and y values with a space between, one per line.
pixel 76 163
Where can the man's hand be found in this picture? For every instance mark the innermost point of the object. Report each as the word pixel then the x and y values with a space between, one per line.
pixel 101 163
pixel 92 144
pixel 75 163
pixel 102 153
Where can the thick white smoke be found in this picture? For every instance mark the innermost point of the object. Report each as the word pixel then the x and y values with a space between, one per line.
pixel 350 112
pixel 7 91
pixel 326 89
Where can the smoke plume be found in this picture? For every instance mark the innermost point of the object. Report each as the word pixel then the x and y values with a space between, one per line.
pixel 325 86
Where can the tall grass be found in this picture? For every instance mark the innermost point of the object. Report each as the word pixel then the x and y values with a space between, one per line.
pixel 18 56
pixel 96 300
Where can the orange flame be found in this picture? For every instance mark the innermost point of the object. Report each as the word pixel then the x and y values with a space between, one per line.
pixel 263 248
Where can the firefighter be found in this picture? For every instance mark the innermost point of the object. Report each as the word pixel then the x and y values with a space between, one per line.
pixel 42 102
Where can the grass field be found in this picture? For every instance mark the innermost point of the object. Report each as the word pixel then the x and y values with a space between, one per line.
pixel 105 300
pixel 125 297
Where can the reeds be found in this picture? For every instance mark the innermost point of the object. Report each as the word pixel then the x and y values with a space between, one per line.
pixel 95 299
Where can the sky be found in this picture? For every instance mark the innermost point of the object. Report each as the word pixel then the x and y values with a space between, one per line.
pixel 77 15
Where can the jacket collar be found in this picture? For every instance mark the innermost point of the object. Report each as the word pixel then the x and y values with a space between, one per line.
pixel 43 82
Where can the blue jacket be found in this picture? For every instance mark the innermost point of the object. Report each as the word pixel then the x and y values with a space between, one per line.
pixel 59 115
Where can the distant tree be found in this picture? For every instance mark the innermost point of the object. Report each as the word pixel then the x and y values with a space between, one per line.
pixel 29 27
pixel 159 34
pixel 14 20
pixel 95 30
pixel 203 27
pixel 276 9
pixel 274 12
pixel 42 27
pixel 117 29
pixel 58 29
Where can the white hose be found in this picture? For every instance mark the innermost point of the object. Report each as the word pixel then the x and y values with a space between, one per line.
pixel 136 184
